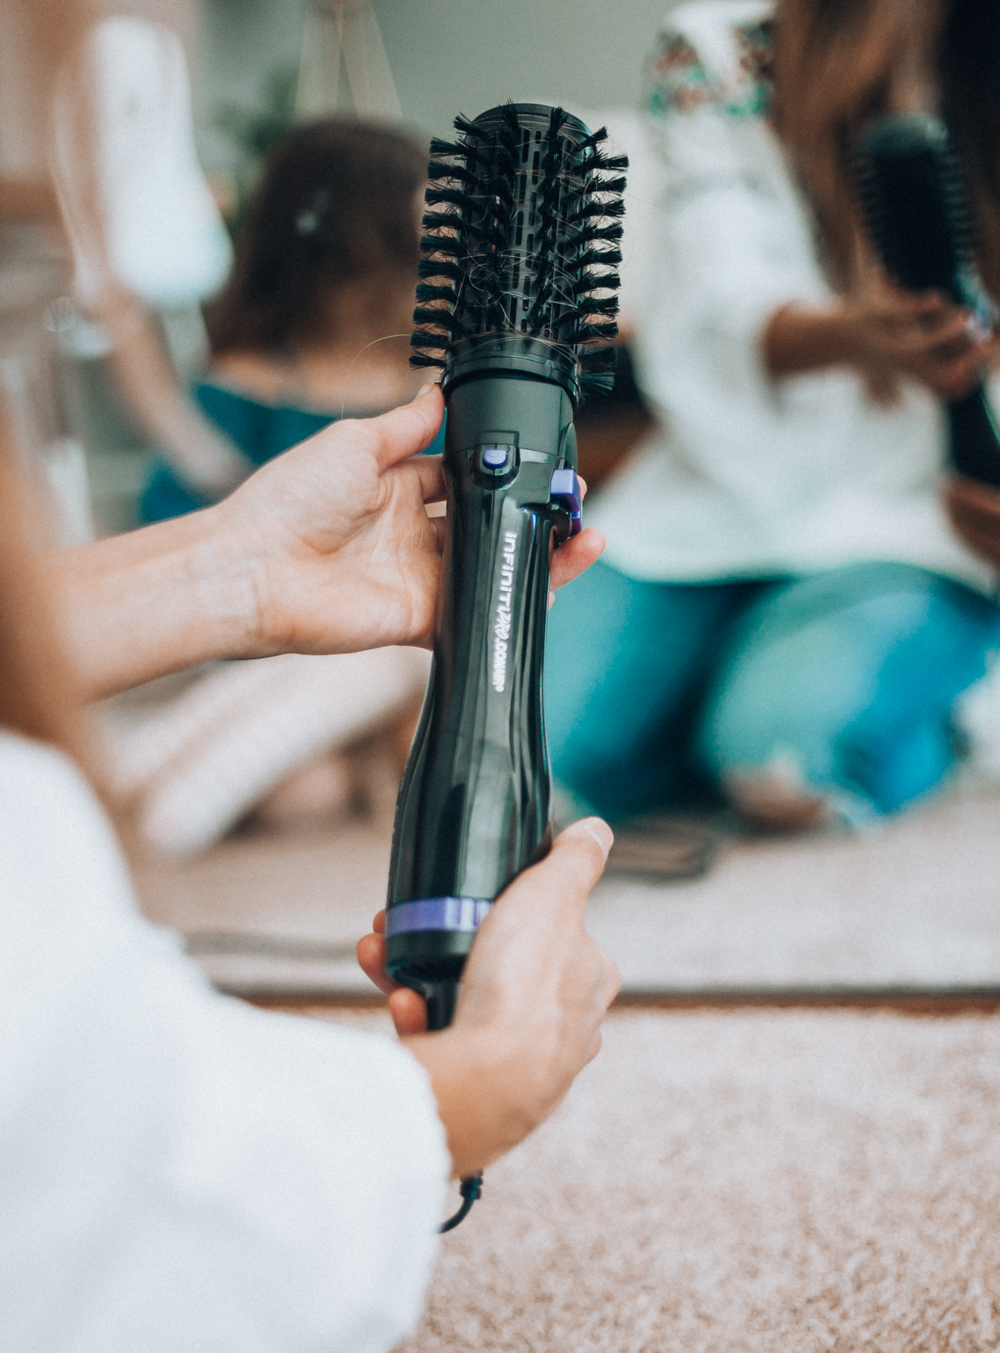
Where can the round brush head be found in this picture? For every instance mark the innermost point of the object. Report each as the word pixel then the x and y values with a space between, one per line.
pixel 915 203
pixel 521 237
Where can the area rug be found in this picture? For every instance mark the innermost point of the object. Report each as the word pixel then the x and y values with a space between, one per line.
pixel 913 906
pixel 744 1182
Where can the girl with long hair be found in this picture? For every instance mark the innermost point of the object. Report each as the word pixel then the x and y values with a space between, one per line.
pixel 313 324
pixel 785 615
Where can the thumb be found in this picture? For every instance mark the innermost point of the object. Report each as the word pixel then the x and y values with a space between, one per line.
pixel 412 427
pixel 571 868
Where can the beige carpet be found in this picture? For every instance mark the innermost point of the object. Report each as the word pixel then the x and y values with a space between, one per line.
pixel 914 906
pixel 745 1182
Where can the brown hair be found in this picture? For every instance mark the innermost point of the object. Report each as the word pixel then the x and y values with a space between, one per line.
pixel 833 62
pixel 37 697
pixel 335 207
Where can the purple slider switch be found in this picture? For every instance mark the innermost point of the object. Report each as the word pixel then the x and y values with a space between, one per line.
pixel 564 488
pixel 495 456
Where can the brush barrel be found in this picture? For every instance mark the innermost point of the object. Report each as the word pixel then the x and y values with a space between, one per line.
pixel 973 437
pixel 914 198
pixel 473 809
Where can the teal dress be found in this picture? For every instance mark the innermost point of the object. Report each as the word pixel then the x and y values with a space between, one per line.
pixel 261 431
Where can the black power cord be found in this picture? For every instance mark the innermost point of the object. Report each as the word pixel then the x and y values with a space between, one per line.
pixel 470 1189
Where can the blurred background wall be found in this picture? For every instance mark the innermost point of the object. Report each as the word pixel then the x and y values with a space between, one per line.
pixel 445 55
pixel 438 57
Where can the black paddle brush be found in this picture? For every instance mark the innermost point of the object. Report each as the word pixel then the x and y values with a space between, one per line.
pixel 915 202
pixel 516 306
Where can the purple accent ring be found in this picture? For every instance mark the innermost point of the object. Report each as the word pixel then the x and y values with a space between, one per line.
pixel 436 913
pixel 564 488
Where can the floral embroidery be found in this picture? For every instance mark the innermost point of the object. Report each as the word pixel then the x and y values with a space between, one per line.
pixel 677 81
pixel 756 43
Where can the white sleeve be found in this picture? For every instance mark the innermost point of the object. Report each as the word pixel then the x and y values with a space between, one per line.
pixel 732 242
pixel 180 1171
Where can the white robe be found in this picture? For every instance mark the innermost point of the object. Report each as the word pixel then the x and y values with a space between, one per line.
pixel 750 477
pixel 180 1172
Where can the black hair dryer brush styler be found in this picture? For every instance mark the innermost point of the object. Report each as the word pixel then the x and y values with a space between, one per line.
pixel 914 199
pixel 517 306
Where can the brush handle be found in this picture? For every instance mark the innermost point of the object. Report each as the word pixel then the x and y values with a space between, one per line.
pixel 473 810
pixel 973 437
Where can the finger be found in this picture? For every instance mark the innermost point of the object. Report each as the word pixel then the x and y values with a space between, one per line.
pixel 974 510
pixel 950 337
pixel 923 303
pixel 575 555
pixel 925 339
pixel 566 875
pixel 954 379
pixel 612 977
pixel 980 498
pixel 405 431
pixel 901 307
pixel 583 849
pixel 409 1012
pixel 378 924
pixel 371 960
pixel 594 1048
pixel 986 543
pixel 430 472
pixel 952 330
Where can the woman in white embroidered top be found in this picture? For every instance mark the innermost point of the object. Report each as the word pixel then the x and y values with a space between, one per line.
pixel 178 1170
pixel 784 609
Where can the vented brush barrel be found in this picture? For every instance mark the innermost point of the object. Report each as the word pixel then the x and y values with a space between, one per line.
pixel 516 307
pixel 914 200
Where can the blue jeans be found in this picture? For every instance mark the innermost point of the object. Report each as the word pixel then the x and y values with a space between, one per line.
pixel 840 683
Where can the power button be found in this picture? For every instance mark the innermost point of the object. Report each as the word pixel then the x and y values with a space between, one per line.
pixel 495 459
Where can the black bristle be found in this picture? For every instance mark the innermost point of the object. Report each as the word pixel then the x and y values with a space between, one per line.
pixel 599 232
pixel 468 129
pixel 444 149
pixel 437 171
pixel 428 293
pixel 616 185
pixel 594 139
pixel 597 373
pixel 452 196
pixel 595 281
pixel 520 235
pixel 438 267
pixel 598 209
pixel 442 220
pixel 607 163
pixel 442 318
pixel 596 257
pixel 915 202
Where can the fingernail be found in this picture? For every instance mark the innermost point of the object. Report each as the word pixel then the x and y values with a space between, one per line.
pixel 600 831
pixel 425 389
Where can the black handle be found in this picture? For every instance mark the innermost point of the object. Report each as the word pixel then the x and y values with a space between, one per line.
pixel 974 439
pixel 473 810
